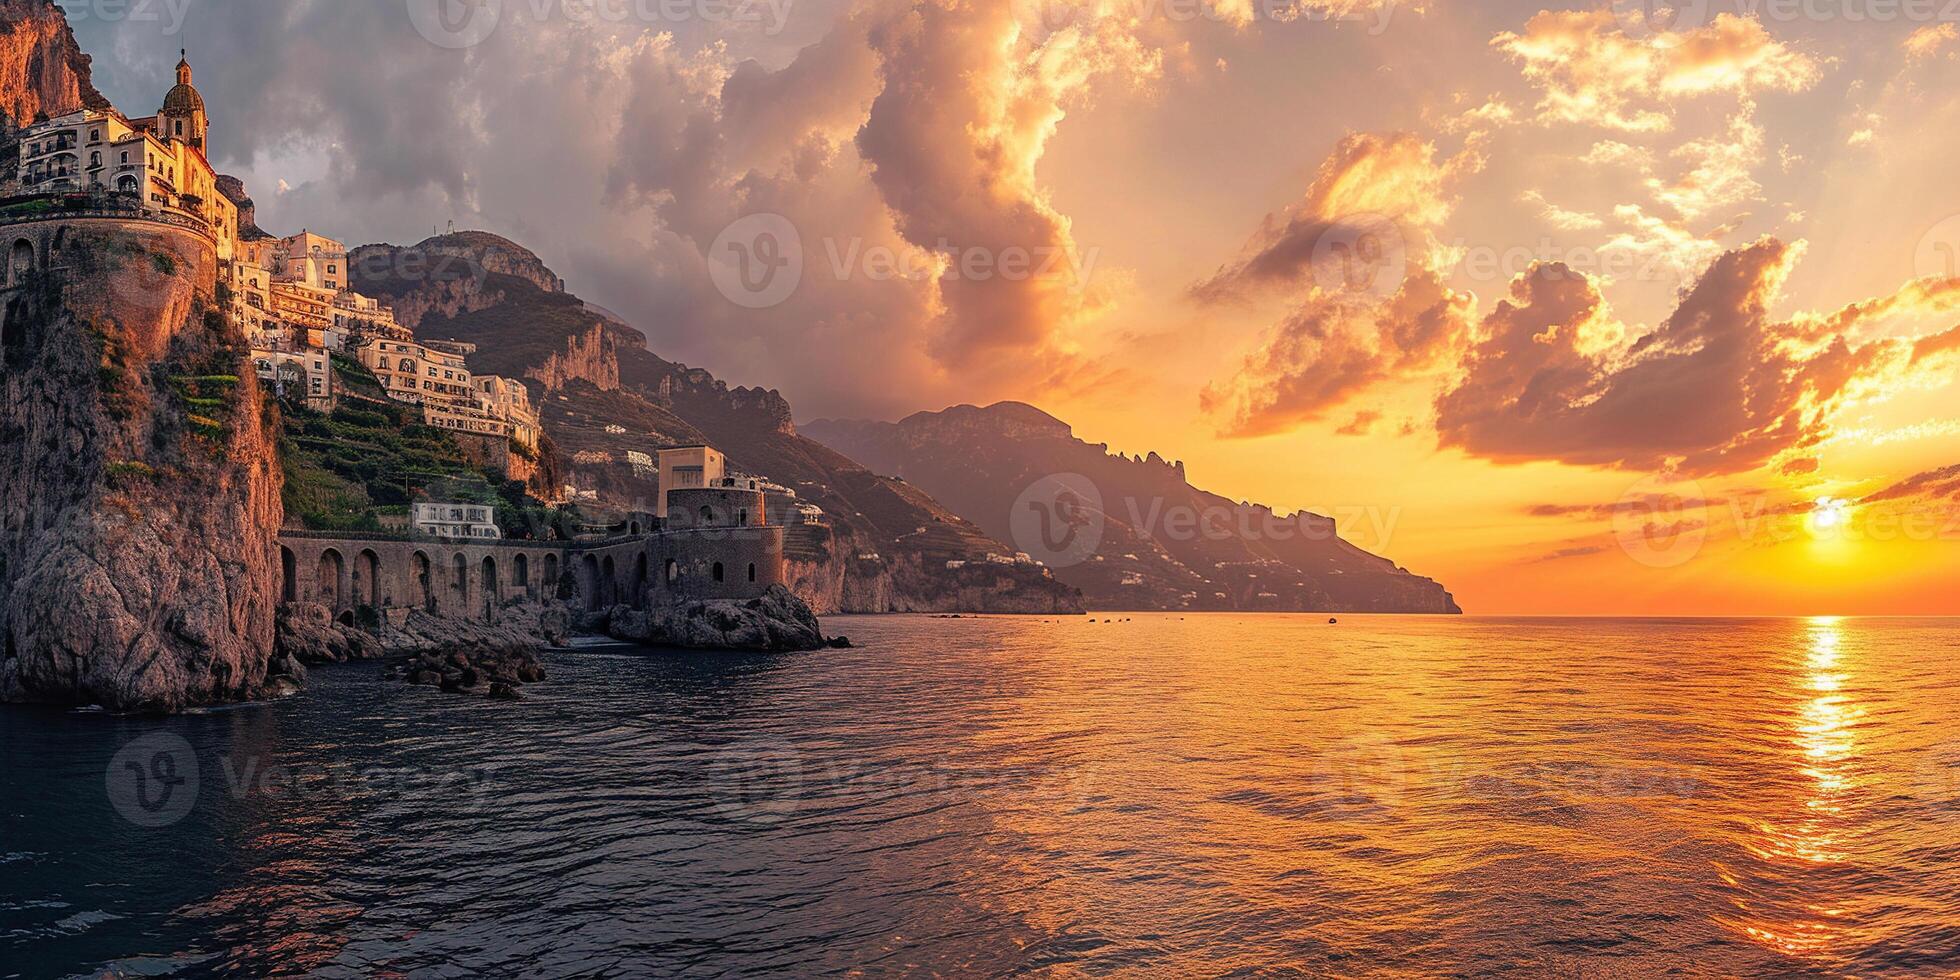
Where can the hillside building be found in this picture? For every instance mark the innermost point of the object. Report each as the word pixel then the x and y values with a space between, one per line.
pixel 156 163
pixel 466 521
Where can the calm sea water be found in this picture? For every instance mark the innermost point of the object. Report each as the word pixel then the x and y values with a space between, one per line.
pixel 1153 797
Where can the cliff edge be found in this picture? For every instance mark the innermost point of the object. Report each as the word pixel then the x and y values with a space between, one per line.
pixel 139 488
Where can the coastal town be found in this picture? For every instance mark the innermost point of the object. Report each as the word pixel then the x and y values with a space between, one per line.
pixel 712 533
pixel 292 296
pixel 294 301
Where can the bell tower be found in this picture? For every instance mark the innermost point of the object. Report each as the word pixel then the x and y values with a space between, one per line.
pixel 182 116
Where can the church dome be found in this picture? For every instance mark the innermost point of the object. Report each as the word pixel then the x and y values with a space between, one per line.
pixel 182 99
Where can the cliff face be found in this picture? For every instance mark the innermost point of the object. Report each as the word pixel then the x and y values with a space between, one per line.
pixel 42 69
pixel 1164 544
pixel 604 394
pixel 139 489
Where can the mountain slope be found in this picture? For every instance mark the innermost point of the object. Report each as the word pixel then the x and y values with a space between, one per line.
pixel 1164 544
pixel 602 395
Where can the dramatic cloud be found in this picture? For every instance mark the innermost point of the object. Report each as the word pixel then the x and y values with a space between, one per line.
pixel 1936 485
pixel 1362 248
pixel 1589 70
pixel 965 114
pixel 1720 387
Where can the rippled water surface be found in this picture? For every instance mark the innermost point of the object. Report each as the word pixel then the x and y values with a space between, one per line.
pixel 1152 797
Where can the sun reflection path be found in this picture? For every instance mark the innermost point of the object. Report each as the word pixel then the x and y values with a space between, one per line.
pixel 1824 736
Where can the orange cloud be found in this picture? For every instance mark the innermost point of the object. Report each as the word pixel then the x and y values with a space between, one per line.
pixel 1362 246
pixel 1590 71
pixel 1719 388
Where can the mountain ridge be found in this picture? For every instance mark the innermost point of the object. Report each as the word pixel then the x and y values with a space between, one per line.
pixel 1165 544
pixel 888 547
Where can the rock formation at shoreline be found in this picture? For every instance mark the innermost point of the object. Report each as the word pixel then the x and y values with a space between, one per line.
pixel 460 655
pixel 139 487
pixel 777 622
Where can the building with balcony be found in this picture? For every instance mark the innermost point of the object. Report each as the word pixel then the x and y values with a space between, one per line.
pixel 156 163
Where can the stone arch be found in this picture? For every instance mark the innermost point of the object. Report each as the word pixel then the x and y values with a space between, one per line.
pixel 520 572
pixel 720 574
pixel 635 532
pixel 609 579
pixel 461 586
pixel 550 582
pixel 492 589
pixel 673 573
pixel 332 568
pixel 128 184
pixel 367 578
pixel 589 583
pixel 288 575
pixel 420 592
pixel 638 596
pixel 20 261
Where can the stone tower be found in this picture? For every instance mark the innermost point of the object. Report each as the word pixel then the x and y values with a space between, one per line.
pixel 182 116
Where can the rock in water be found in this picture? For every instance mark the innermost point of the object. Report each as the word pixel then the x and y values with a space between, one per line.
pixel 139 489
pixel 777 622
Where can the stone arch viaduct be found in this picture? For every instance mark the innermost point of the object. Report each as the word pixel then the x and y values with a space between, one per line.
pixel 473 579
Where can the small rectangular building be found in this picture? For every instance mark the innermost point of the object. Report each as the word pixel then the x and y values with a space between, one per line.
pixel 688 468
pixel 462 521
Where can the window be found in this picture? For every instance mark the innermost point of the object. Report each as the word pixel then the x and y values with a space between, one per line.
pixel 751 571
pixel 719 575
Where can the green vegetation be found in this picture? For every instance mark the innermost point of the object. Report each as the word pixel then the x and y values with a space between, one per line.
pixel 24 208
pixel 131 472
pixel 208 401
pixel 372 457
pixel 164 262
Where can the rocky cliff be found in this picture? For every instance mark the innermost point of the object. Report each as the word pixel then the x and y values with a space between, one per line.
pixel 604 395
pixel 139 490
pixel 42 70
pixel 1160 542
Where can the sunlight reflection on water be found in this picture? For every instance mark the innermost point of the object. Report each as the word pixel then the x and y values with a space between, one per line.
pixel 1160 797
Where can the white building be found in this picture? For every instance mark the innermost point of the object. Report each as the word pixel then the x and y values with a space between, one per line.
pixel 310 368
pixel 471 521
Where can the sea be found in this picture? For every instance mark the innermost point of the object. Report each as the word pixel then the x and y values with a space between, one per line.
pixel 1140 795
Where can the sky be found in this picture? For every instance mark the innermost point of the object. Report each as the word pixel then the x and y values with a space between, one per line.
pixel 1582 309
